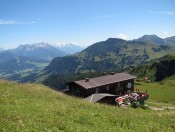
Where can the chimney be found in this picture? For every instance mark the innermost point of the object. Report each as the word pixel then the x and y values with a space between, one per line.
pixel 112 73
pixel 87 79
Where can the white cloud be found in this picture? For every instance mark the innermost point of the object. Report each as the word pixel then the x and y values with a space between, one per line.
pixel 170 13
pixel 7 22
pixel 122 36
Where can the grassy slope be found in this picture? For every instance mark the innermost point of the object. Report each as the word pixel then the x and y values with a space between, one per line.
pixel 162 92
pixel 33 107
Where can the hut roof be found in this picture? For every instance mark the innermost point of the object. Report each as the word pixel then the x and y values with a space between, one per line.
pixel 104 80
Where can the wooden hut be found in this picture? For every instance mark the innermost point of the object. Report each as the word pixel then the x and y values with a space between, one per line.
pixel 114 84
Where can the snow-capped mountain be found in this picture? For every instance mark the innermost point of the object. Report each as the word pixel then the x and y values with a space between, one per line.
pixel 38 51
pixel 36 46
pixel 45 51
pixel 69 47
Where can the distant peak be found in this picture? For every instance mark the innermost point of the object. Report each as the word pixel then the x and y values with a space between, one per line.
pixel 152 39
pixel 152 35
pixel 115 39
pixel 40 44
pixel 149 35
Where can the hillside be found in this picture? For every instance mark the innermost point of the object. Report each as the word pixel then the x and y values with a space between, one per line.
pixel 6 56
pixel 157 71
pixel 34 107
pixel 110 54
pixel 170 40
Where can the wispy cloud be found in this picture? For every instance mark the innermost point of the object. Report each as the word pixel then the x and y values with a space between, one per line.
pixel 8 22
pixel 122 36
pixel 170 13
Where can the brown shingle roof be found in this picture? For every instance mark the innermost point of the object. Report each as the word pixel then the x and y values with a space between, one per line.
pixel 104 80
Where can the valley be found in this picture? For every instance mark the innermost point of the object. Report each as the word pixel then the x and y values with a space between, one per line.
pixel 15 67
pixel 18 63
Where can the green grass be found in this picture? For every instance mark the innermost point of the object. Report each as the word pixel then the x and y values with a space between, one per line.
pixel 159 92
pixel 34 107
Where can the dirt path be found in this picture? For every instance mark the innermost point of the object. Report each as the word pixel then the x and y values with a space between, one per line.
pixel 162 108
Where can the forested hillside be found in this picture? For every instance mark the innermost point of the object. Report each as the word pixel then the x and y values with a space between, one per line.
pixel 157 71
pixel 110 54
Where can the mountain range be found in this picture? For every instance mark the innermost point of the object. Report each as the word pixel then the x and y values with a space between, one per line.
pixel 29 58
pixel 110 55
pixel 44 51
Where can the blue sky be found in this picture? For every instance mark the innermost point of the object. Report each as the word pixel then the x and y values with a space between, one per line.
pixel 83 21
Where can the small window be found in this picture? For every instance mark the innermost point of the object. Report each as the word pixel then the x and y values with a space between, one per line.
pixel 107 87
pixel 97 90
pixel 129 85
pixel 118 85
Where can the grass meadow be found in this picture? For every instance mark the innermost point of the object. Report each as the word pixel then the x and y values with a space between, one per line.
pixel 34 107
pixel 159 92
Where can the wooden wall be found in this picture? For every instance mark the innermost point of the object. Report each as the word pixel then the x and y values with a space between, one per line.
pixel 119 88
